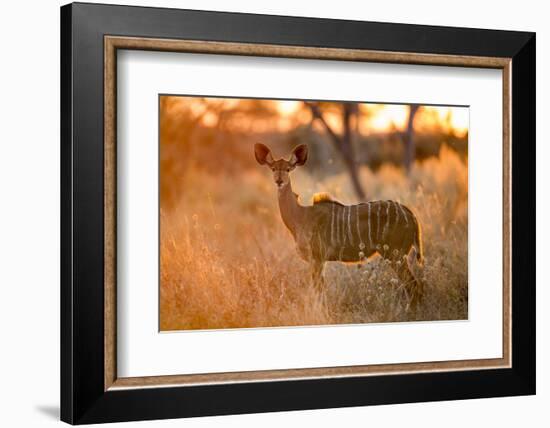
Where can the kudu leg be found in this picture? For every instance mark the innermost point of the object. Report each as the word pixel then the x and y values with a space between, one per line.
pixel 317 274
pixel 414 288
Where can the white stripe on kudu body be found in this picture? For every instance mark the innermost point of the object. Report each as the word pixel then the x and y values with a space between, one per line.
pixel 350 235
pixel 342 236
pixel 378 224
pixel 404 213
pixel 396 212
pixel 338 225
pixel 344 220
pixel 358 228
pixel 332 226
pixel 369 224
pixel 387 220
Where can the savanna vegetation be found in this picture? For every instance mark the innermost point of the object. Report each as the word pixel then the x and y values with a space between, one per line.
pixel 228 261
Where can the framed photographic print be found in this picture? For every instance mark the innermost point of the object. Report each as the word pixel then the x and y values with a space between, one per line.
pixel 265 213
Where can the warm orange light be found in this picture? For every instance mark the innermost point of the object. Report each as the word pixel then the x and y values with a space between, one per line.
pixel 448 119
pixel 460 119
pixel 289 114
pixel 287 108
pixel 388 117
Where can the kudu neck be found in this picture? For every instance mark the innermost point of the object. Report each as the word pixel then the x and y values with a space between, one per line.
pixel 291 210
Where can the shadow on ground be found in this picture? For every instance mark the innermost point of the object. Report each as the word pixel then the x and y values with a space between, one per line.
pixel 50 411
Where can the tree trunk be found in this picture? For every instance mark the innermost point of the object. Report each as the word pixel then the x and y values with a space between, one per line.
pixel 410 149
pixel 343 144
pixel 347 150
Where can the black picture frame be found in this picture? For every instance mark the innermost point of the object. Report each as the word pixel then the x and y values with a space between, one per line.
pixel 83 396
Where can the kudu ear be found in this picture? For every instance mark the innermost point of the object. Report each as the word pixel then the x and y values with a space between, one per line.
pixel 263 154
pixel 299 155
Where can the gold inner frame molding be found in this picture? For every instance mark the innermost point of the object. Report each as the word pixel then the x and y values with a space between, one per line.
pixel 113 43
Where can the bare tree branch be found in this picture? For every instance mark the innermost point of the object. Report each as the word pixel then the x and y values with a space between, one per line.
pixel 343 143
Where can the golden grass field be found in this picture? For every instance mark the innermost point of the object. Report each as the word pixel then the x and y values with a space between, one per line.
pixel 227 260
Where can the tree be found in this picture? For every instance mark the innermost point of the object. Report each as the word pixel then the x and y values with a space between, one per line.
pixel 408 138
pixel 343 143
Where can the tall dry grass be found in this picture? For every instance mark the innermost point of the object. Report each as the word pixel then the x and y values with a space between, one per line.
pixel 227 260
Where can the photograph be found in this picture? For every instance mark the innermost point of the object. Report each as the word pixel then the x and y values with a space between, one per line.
pixel 279 213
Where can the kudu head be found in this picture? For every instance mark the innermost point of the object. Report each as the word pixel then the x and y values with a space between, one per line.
pixel 281 167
